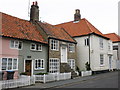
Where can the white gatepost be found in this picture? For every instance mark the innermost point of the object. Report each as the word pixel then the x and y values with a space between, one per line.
pixel 58 76
pixel 29 80
pixel 44 79
pixel 64 75
pixel 34 78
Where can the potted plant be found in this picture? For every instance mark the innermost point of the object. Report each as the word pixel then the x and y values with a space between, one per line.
pixel 23 74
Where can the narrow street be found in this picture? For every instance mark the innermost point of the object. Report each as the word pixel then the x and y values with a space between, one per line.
pixel 104 80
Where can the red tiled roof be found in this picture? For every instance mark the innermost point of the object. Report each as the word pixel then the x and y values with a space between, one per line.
pixel 83 27
pixel 56 32
pixel 21 29
pixel 113 36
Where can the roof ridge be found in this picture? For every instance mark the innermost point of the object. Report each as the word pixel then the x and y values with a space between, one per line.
pixel 14 16
pixel 88 25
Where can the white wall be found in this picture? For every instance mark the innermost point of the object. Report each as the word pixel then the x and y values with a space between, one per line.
pixel 95 51
pixel 82 52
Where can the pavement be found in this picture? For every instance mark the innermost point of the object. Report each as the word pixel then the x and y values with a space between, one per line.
pixel 70 81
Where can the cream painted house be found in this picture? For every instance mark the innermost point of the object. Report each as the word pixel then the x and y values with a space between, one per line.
pixel 116 53
pixel 92 46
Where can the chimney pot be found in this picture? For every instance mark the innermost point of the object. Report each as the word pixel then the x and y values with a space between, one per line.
pixel 33 3
pixel 36 3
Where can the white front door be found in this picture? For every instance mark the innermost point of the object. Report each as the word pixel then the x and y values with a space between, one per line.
pixel 63 54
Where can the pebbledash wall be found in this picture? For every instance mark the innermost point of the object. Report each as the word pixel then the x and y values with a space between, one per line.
pixel 95 51
pixel 27 54
pixel 7 52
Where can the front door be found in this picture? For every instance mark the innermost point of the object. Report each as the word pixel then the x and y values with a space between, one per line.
pixel 28 66
pixel 64 54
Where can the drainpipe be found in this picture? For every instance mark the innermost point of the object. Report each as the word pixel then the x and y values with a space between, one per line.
pixel 48 55
pixel 89 48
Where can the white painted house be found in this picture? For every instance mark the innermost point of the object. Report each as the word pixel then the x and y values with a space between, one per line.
pixel 92 46
pixel 116 53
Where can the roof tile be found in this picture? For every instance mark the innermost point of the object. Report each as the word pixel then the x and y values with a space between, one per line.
pixel 19 28
pixel 113 36
pixel 83 27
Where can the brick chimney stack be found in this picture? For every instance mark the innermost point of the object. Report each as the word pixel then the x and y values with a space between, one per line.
pixel 34 12
pixel 77 15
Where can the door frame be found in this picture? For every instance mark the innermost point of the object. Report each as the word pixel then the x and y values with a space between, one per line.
pixel 66 54
pixel 31 65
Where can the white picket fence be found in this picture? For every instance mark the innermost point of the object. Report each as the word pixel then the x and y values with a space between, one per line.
pixel 118 64
pixel 52 77
pixel 22 81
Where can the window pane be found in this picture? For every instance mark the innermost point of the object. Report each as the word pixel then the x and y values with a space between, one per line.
pixel 87 41
pixel 15 63
pixel 33 46
pixel 9 63
pixel 20 45
pixel 54 65
pixel 71 47
pixel 16 44
pixel 12 44
pixel 54 45
pixel 39 47
pixel 39 64
pixel 4 63
pixel 101 59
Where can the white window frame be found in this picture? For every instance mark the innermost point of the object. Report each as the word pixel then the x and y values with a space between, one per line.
pixel 101 43
pixel 55 45
pixel 35 47
pixel 86 41
pixel 14 46
pixel 54 67
pixel 102 60
pixel 71 47
pixel 70 62
pixel 42 62
pixel 12 64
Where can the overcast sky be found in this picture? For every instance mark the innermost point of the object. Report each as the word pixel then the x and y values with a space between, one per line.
pixel 103 14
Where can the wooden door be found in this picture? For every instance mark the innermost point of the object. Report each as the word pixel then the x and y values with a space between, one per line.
pixel 28 65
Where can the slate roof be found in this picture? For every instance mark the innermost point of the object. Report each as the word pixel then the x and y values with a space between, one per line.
pixel 113 36
pixel 83 27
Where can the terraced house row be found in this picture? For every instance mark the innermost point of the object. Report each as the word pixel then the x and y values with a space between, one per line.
pixel 34 46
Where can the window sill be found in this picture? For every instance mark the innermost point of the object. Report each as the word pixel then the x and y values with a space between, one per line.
pixel 36 50
pixel 53 50
pixel 15 48
pixel 101 65
pixel 39 69
pixel 71 51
